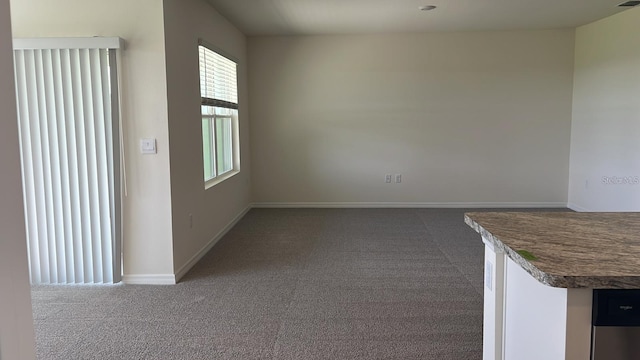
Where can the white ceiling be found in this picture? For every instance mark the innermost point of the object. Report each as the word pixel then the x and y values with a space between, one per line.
pixel 309 17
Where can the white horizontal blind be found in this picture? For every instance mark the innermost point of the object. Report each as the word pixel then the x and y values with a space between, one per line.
pixel 218 77
pixel 67 142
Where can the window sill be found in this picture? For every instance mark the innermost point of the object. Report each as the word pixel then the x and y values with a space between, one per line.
pixel 217 180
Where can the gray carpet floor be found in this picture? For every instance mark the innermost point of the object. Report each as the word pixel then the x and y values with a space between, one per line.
pixel 291 284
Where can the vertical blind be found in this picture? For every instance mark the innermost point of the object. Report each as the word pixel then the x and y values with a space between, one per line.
pixel 67 102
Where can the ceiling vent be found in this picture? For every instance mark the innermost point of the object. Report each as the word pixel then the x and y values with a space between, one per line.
pixel 630 3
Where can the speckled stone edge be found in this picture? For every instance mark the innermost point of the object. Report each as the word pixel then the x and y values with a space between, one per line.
pixel 591 282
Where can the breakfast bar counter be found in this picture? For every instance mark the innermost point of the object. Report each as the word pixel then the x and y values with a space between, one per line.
pixel 568 249
pixel 540 272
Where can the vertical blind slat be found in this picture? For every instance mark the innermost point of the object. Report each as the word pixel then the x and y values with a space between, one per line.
pixel 83 174
pixel 64 114
pixel 76 241
pixel 27 165
pixel 65 189
pixel 92 161
pixel 101 77
pixel 38 166
pixel 105 58
pixel 89 147
pixel 56 224
pixel 114 142
pixel 46 167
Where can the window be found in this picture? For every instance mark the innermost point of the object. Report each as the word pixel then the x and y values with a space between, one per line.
pixel 219 93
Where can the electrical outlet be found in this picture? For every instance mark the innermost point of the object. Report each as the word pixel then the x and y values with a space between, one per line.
pixel 398 178
pixel 387 178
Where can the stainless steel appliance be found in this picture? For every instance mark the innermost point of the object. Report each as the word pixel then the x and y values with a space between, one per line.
pixel 616 325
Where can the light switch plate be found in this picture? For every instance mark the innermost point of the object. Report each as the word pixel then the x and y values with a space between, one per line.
pixel 148 146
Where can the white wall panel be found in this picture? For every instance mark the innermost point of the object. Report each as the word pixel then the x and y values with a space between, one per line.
pixel 605 151
pixel 481 117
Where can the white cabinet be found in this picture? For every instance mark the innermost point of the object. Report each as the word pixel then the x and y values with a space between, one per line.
pixel 527 320
pixel 543 322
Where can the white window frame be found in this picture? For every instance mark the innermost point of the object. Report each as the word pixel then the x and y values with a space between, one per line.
pixel 213 138
pixel 213 118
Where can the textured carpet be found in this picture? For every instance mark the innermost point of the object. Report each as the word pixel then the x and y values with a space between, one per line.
pixel 291 284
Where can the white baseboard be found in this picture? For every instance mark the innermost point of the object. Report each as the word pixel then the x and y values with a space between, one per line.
pixel 577 208
pixel 149 279
pixel 410 205
pixel 195 258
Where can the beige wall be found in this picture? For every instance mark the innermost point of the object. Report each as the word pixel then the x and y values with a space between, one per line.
pixel 480 118
pixel 147 240
pixel 213 209
pixel 606 114
pixel 16 321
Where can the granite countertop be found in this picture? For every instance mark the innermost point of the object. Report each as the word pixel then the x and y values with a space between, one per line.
pixel 568 249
